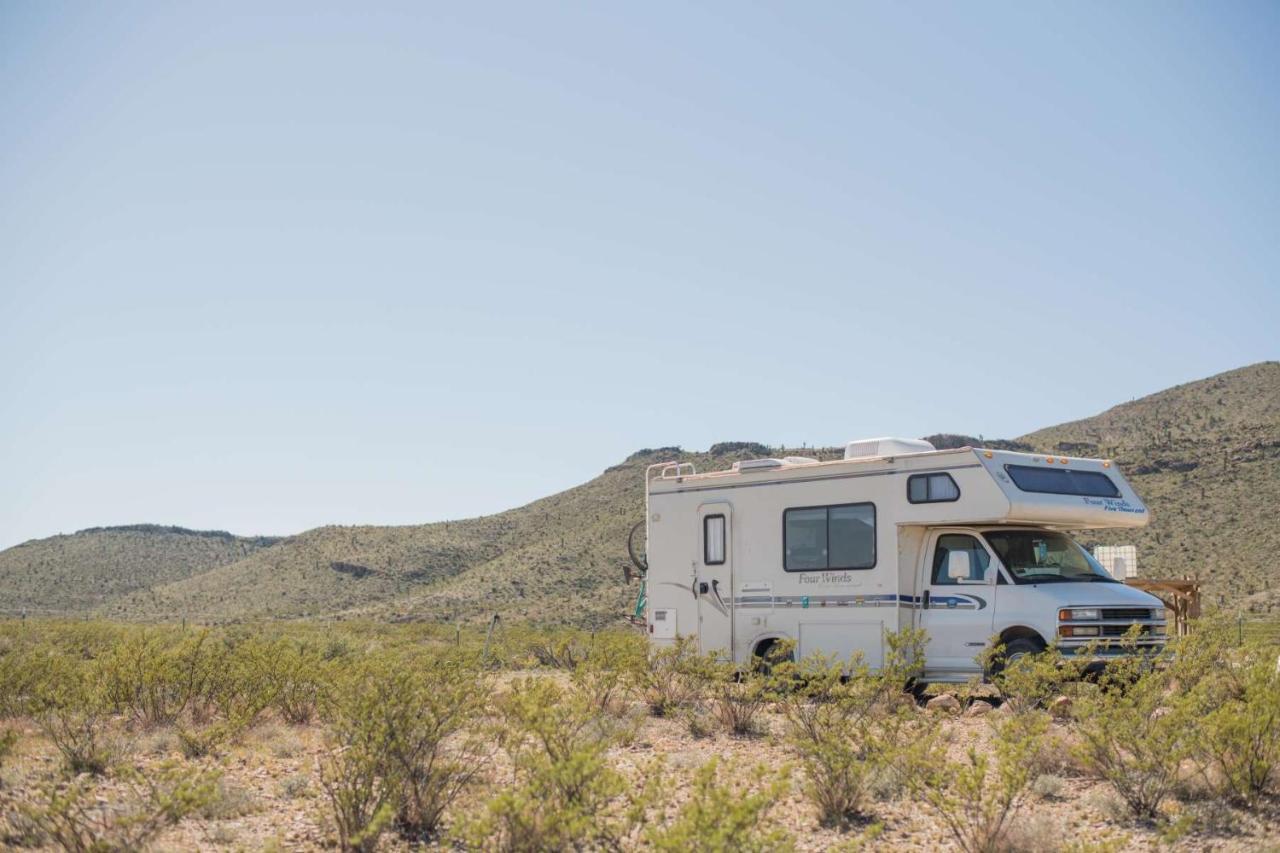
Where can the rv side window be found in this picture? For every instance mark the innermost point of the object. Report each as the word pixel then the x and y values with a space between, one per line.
pixel 713 540
pixel 829 537
pixel 1062 481
pixel 932 488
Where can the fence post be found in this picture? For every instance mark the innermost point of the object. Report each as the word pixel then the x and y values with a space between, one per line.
pixel 488 636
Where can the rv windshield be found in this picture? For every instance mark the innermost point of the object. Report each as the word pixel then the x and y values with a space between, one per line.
pixel 1042 556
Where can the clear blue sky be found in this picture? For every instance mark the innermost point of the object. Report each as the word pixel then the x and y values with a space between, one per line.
pixel 267 267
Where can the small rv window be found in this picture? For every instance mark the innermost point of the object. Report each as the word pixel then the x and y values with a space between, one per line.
pixel 713 540
pixel 932 488
pixel 1062 481
pixel 829 537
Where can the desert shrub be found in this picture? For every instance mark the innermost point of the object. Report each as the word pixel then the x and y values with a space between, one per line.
pixel 1029 682
pixel 72 818
pixel 724 816
pixel 8 740
pixel 1134 733
pixel 565 794
pixel 736 698
pixel 977 799
pixel 430 755
pixel 296 680
pixel 72 713
pixel 663 679
pixel 603 675
pixel 403 752
pixel 26 669
pixel 226 801
pixel 354 775
pixel 563 649
pixel 1237 736
pixel 155 674
pixel 848 732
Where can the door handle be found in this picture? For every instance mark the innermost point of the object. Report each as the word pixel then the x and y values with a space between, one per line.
pixel 924 600
pixel 704 588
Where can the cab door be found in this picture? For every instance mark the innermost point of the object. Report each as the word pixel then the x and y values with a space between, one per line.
pixel 958 604
pixel 713 586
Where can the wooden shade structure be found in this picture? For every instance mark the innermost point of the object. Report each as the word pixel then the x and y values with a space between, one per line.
pixel 1182 597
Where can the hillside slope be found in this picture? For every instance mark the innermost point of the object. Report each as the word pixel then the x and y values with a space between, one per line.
pixel 1205 456
pixel 85 570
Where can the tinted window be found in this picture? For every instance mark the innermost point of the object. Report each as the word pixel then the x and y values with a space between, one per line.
pixel 931 488
pixel 1062 481
pixel 713 540
pixel 978 558
pixel 834 537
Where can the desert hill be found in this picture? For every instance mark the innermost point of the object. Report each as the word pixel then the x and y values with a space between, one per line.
pixel 1205 456
pixel 84 570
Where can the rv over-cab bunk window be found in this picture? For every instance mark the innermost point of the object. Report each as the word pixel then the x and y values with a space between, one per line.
pixel 829 537
pixel 1062 481
pixel 932 488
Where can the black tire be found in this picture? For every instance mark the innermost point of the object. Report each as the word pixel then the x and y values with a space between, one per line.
pixel 1013 650
pixel 768 655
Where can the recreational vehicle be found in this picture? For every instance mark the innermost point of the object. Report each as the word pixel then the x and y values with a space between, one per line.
pixel 968 544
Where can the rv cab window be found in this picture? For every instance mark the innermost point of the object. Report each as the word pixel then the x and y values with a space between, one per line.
pixel 957 542
pixel 829 537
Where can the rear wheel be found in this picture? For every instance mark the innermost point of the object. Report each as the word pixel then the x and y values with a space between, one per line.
pixel 770 653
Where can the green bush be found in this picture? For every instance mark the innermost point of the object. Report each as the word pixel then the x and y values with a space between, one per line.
pixel 8 740
pixel 72 714
pixel 565 793
pixel 721 817
pixel 736 698
pixel 154 675
pixel 978 798
pixel 1135 731
pixel 402 750
pixel 1237 735
pixel 663 679
pixel 848 730
pixel 72 818
pixel 1030 682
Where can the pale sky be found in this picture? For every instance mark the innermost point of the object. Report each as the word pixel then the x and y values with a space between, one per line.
pixel 262 271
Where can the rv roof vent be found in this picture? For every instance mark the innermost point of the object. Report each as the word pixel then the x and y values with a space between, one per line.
pixel 869 447
pixel 799 460
pixel 756 464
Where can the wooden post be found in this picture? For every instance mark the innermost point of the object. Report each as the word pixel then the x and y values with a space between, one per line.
pixel 487 637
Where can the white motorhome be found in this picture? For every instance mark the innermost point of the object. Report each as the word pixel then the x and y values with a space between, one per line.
pixel 967 544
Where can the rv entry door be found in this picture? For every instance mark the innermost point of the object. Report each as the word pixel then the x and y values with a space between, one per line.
pixel 713 586
pixel 956 608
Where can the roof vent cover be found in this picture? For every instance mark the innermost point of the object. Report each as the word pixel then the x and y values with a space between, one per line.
pixel 871 447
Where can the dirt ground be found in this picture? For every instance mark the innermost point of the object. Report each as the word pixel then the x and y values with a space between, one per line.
pixel 271 797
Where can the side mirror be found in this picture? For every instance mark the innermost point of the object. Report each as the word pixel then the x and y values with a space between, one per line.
pixel 958 565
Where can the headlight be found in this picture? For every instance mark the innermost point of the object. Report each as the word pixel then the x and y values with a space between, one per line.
pixel 1078 630
pixel 1080 614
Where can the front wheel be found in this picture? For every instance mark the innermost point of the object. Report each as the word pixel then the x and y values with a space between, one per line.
pixel 1012 651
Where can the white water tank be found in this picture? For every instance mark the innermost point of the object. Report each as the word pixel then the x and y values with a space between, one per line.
pixel 865 448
